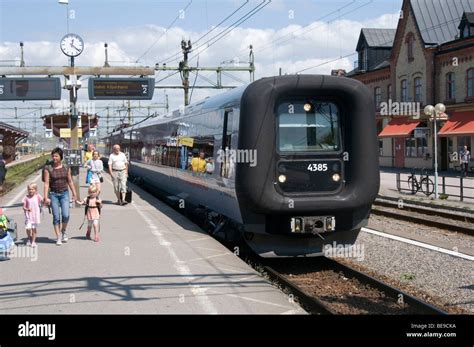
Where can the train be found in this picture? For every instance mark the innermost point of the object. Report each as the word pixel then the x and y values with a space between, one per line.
pixel 287 163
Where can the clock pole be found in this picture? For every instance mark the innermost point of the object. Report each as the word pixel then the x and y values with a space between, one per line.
pixel 74 134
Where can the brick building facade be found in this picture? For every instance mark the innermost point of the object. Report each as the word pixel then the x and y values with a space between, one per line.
pixel 428 60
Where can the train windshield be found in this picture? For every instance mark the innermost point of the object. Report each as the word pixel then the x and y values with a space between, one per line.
pixel 308 127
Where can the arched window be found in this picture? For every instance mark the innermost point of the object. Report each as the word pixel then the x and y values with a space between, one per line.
pixel 470 83
pixel 417 89
pixel 377 97
pixel 389 93
pixel 450 86
pixel 403 91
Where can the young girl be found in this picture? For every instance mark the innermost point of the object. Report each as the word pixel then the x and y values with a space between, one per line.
pixel 32 208
pixel 93 205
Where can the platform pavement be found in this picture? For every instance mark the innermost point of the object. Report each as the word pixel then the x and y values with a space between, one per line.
pixel 150 259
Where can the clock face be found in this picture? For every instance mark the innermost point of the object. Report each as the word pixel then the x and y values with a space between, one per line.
pixel 72 45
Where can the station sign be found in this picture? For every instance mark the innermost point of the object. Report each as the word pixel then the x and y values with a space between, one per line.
pixel 121 88
pixel 12 89
pixel 65 133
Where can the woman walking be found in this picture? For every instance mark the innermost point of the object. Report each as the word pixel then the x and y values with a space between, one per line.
pixel 57 180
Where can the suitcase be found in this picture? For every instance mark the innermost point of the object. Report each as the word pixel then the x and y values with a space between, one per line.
pixel 128 196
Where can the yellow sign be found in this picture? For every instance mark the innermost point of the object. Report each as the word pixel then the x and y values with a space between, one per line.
pixel 186 141
pixel 65 133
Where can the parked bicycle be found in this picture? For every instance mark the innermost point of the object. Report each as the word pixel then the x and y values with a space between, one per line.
pixel 424 183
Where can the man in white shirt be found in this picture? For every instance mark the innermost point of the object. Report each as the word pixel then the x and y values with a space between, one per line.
pixel 118 169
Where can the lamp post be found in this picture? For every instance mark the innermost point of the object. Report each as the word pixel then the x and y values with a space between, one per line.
pixel 435 112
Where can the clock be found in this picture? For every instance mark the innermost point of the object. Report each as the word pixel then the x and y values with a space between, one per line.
pixel 72 45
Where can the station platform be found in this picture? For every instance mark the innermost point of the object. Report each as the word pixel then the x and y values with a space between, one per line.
pixel 150 260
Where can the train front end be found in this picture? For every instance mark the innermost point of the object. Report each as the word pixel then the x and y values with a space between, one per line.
pixel 316 174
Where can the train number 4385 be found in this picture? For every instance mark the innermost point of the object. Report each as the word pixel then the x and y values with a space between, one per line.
pixel 317 167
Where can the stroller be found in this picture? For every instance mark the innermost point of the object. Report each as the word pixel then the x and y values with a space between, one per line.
pixel 8 235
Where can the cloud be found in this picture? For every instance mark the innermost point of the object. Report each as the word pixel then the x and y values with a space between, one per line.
pixel 292 48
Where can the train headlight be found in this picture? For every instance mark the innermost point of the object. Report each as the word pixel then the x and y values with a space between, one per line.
pixel 336 177
pixel 308 107
pixel 282 178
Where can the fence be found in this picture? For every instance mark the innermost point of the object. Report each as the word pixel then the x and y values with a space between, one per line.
pixel 458 187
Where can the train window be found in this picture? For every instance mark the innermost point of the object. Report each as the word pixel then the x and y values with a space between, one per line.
pixel 308 127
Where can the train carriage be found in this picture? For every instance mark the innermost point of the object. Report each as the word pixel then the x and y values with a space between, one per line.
pixel 291 162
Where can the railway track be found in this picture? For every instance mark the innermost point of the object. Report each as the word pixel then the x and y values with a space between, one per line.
pixel 383 298
pixel 460 222
pixel 315 283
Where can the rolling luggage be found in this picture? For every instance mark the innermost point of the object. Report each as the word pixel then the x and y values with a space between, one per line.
pixel 128 196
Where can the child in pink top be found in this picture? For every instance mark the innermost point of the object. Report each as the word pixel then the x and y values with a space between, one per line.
pixel 93 205
pixel 32 208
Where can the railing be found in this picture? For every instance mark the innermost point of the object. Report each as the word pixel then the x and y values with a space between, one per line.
pixel 448 186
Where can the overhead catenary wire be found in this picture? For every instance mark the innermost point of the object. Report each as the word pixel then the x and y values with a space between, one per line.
pixel 166 30
pixel 178 54
pixel 226 31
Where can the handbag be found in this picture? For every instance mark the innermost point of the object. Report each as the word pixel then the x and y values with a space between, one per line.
pixel 88 177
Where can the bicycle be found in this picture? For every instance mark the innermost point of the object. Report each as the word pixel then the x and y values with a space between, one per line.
pixel 425 184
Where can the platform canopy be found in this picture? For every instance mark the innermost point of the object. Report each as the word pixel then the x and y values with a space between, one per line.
pixel 56 122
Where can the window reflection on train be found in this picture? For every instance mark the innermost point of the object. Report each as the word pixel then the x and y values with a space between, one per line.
pixel 185 150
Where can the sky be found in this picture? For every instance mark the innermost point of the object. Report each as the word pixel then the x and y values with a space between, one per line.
pixel 298 36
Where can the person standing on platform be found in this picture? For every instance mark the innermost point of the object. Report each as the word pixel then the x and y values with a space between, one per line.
pixel 57 182
pixel 464 158
pixel 96 166
pixel 87 157
pixel 118 170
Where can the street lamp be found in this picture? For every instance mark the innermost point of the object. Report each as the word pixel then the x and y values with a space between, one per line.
pixel 435 112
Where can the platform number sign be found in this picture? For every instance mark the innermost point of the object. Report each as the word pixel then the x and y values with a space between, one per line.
pixel 121 88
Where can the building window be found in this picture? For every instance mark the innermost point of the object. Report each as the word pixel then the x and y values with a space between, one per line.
pixel 403 91
pixel 470 83
pixel 417 89
pixel 410 40
pixel 464 141
pixel 381 148
pixel 363 59
pixel 450 86
pixel 389 92
pixel 416 147
pixel 377 97
pixel 465 32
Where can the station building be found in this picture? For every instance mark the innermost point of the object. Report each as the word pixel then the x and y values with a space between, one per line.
pixel 427 59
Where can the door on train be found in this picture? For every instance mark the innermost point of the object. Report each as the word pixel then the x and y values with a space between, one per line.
pixel 227 164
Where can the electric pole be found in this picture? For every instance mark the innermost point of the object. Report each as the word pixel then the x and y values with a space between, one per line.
pixel 185 70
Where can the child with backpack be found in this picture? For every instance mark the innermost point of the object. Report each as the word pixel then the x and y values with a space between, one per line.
pixel 32 204
pixel 93 205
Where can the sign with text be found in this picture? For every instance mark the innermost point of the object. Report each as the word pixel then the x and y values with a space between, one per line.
pixel 121 88
pixel 12 89
pixel 65 133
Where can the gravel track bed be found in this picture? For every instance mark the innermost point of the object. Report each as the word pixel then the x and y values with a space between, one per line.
pixel 453 238
pixel 341 294
pixel 439 279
